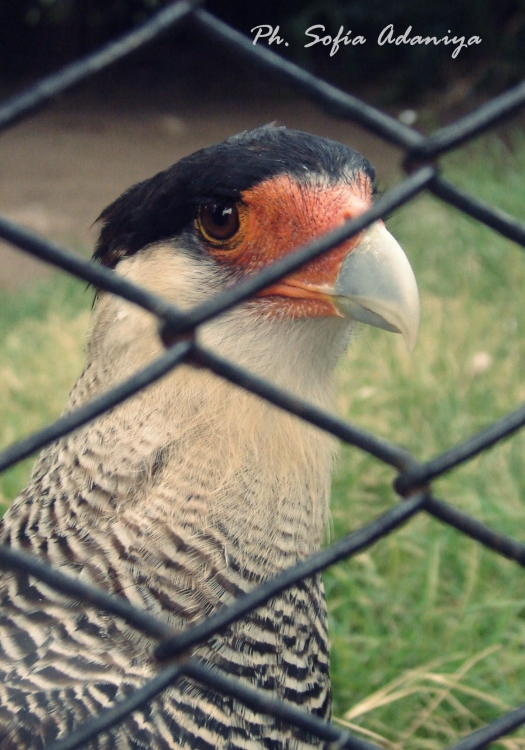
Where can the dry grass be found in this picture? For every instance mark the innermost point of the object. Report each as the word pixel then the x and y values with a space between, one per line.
pixel 399 611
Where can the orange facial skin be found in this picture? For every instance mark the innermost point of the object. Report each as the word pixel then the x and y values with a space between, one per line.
pixel 278 216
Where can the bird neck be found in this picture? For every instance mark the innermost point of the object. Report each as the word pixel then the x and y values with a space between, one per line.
pixel 196 453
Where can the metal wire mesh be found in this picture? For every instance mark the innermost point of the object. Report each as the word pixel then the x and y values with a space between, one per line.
pixel 412 482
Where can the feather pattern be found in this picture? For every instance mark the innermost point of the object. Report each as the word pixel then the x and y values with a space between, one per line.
pixel 179 500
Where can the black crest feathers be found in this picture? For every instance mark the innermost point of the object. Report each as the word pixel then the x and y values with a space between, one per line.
pixel 160 207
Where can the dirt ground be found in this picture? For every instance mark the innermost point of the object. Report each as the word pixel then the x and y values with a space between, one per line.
pixel 60 168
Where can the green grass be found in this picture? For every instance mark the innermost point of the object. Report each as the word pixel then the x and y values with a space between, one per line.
pixel 427 627
pixel 42 334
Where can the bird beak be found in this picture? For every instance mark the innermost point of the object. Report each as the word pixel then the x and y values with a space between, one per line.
pixel 376 285
pixel 372 283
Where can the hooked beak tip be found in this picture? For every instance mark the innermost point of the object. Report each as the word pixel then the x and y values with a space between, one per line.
pixel 376 286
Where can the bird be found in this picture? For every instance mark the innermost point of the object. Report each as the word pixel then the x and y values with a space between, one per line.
pixel 194 491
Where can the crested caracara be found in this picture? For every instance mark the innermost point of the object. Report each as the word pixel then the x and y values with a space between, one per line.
pixel 194 491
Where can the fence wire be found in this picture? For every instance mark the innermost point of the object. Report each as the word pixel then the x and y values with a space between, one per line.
pixel 177 328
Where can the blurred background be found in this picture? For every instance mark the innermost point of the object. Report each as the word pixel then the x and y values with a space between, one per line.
pixel 59 169
pixel 427 628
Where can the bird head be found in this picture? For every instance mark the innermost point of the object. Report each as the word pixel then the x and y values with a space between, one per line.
pixel 228 211
pixel 206 224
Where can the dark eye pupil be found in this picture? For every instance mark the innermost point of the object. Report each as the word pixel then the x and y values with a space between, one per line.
pixel 221 214
pixel 219 220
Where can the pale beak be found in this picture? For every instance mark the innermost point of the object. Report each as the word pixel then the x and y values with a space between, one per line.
pixel 376 285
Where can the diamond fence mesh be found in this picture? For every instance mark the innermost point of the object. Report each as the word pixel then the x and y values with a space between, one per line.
pixel 413 480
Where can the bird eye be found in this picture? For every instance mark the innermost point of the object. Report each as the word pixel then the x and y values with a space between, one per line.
pixel 218 221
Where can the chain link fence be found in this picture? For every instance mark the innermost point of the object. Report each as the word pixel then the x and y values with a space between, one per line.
pixel 413 480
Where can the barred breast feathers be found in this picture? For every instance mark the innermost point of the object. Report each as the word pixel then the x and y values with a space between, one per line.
pixel 194 491
pixel 193 449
